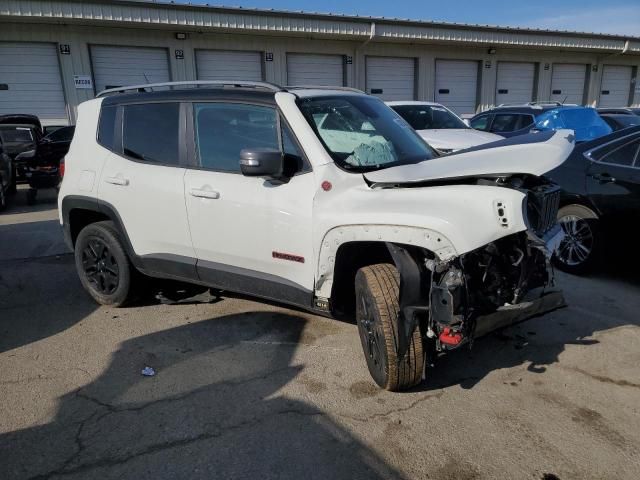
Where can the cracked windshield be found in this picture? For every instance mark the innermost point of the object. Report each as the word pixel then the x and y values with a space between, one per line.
pixel 362 134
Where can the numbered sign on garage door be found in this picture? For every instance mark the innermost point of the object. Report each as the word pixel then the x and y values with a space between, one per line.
pixel 229 65
pixel 568 83
pixel 391 78
pixel 313 69
pixel 115 66
pixel 457 85
pixel 616 86
pixel 515 82
pixel 31 81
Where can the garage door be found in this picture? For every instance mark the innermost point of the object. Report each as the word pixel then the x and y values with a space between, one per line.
pixel 121 66
pixel 567 83
pixel 30 81
pixel 391 78
pixel 616 86
pixel 515 82
pixel 312 69
pixel 228 65
pixel 457 85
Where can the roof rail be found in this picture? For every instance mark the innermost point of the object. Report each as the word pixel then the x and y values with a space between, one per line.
pixel 217 83
pixel 321 87
pixel 545 102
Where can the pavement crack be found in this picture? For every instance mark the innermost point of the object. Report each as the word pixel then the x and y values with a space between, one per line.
pixel 392 411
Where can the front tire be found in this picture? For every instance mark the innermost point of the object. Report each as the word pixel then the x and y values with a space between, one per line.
pixel 578 252
pixel 377 309
pixel 103 266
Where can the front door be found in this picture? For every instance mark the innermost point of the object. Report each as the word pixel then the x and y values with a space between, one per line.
pixel 250 234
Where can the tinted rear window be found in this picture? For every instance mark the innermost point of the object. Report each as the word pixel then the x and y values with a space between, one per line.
pixel 150 132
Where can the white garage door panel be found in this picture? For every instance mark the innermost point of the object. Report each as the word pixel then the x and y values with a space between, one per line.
pixel 229 65
pixel 616 86
pixel 567 83
pixel 312 69
pixel 394 76
pixel 122 66
pixel 457 85
pixel 515 82
pixel 32 73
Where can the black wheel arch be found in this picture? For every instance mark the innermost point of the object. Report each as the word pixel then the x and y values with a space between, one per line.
pixel 79 211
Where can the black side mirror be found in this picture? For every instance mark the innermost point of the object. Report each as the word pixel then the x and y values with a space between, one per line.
pixel 261 162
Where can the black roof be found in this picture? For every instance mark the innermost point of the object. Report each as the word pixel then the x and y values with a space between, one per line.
pixel 193 94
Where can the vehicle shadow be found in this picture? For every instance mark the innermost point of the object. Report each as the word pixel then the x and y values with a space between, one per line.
pixel 214 409
pixel 595 304
pixel 39 297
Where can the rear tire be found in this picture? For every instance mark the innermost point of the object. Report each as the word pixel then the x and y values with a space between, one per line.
pixel 103 266
pixel 377 309
pixel 579 251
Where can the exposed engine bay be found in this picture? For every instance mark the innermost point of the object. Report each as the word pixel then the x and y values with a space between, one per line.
pixel 505 281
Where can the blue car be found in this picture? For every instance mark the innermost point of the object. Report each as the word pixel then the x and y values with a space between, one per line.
pixel 513 120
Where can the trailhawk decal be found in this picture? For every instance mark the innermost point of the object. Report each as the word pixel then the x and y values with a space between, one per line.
pixel 287 256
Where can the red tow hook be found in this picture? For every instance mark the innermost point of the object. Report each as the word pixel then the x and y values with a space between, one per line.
pixel 450 337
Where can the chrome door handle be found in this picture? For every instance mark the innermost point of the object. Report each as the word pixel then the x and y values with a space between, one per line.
pixel 118 180
pixel 198 192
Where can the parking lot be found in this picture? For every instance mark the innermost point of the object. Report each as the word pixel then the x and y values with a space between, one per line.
pixel 246 389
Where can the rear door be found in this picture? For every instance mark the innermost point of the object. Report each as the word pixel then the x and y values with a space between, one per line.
pixel 613 180
pixel 250 234
pixel 143 181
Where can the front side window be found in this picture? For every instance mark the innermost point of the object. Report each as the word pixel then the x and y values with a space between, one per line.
pixel 622 155
pixel 481 123
pixel 428 117
pixel 363 134
pixel 222 130
pixel 509 122
pixel 150 132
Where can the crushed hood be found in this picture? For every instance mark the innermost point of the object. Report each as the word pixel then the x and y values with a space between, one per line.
pixel 533 154
pixel 457 138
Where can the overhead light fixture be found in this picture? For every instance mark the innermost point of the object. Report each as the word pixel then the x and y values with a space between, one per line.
pixel 181 36
pixel 491 51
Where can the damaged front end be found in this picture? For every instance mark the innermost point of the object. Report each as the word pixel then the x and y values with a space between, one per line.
pixel 502 283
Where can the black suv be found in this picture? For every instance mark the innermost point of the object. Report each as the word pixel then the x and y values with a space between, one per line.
pixel 512 120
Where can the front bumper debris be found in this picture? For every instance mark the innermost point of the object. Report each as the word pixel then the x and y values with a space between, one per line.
pixel 512 314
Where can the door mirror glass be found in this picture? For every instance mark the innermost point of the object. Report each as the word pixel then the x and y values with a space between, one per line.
pixel 261 162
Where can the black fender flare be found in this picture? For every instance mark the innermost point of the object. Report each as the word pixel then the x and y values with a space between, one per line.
pixel 414 292
pixel 73 202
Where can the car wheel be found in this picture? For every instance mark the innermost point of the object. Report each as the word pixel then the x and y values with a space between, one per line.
pixel 579 249
pixel 377 308
pixel 103 266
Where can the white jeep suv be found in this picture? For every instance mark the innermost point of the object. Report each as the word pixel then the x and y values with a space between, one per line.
pixel 324 199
